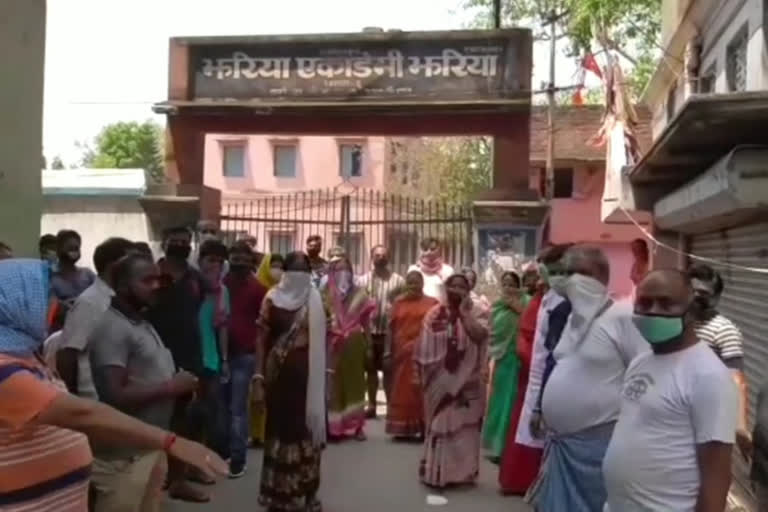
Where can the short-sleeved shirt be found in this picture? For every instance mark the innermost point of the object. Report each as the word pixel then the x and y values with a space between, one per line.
pixel 174 316
pixel 67 289
pixel 245 299
pixel 82 318
pixel 724 338
pixel 42 467
pixel 133 344
pixel 671 403
pixel 380 290
pixel 434 284
pixel 209 330
pixel 584 389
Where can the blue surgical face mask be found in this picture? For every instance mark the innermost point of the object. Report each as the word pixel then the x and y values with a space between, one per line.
pixel 657 329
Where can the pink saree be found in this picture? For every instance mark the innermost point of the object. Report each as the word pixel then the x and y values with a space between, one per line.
pixel 450 368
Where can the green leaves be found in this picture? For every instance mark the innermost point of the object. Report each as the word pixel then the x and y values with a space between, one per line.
pixel 632 28
pixel 125 145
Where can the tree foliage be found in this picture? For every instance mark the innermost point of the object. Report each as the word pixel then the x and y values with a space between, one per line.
pixel 57 163
pixel 451 169
pixel 126 145
pixel 630 28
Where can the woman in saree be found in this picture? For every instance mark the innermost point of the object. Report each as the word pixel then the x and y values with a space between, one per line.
pixel 349 311
pixel 450 359
pixel 505 314
pixel 405 409
pixel 520 462
pixel 269 273
pixel 293 327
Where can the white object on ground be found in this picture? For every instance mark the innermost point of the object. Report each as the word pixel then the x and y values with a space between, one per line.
pixel 436 501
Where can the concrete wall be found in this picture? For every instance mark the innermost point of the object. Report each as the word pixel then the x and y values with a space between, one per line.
pixel 317 163
pixel 577 220
pixel 96 219
pixel 22 55
pixel 716 33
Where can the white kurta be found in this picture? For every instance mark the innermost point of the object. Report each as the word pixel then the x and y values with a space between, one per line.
pixel 538 361
pixel 434 284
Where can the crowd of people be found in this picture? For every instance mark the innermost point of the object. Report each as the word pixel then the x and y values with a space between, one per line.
pixel 150 375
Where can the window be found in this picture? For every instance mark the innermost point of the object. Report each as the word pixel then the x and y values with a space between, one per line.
pixel 353 244
pixel 736 61
pixel 563 183
pixel 351 160
pixel 671 101
pixel 707 80
pixel 284 160
pixel 281 242
pixel 233 164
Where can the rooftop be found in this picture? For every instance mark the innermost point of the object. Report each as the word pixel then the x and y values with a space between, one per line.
pixel 122 182
pixel 574 125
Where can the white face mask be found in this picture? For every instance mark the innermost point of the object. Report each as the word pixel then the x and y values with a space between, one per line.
pixel 296 281
pixel 586 294
pixel 559 284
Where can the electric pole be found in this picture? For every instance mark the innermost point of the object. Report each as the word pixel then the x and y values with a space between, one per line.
pixel 549 183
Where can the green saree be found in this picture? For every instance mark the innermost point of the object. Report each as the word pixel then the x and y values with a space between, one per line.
pixel 504 380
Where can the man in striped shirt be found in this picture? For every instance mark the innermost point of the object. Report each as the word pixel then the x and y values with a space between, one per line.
pixel 720 334
pixel 382 285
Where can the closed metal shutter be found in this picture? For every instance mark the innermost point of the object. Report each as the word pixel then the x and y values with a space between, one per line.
pixel 744 302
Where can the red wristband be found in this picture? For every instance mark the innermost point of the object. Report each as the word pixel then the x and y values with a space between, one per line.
pixel 168 443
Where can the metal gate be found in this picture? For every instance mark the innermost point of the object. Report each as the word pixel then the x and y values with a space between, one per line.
pixel 357 220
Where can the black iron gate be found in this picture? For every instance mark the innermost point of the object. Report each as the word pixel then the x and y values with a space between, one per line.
pixel 356 220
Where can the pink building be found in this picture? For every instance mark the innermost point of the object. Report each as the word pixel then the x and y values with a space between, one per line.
pixel 579 180
pixel 273 169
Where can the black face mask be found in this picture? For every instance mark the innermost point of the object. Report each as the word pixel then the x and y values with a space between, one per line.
pixel 240 269
pixel 178 252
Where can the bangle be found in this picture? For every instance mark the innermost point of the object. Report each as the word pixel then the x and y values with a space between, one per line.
pixel 330 371
pixel 258 376
pixel 170 439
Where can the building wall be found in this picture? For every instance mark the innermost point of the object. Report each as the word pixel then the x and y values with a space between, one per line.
pixel 96 218
pixel 577 220
pixel 317 163
pixel 716 33
pixel 22 39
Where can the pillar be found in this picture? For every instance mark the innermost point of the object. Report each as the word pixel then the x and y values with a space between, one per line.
pixel 22 59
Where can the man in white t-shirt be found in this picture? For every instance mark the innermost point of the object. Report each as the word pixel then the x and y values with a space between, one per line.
pixel 433 269
pixel 671 448
pixel 581 400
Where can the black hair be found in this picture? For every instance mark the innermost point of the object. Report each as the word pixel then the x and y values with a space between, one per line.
pixel 124 270
pixel 514 275
pixel 67 234
pixel 553 253
pixel 314 238
pixel 5 247
pixel 705 273
pixel 276 258
pixel 109 251
pixel 143 248
pixel 240 247
pixel 176 230
pixel 46 241
pixel 292 258
pixel 378 246
pixel 213 248
pixel 426 243
pixel 457 276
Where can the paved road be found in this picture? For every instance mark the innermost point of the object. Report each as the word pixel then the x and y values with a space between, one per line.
pixel 375 476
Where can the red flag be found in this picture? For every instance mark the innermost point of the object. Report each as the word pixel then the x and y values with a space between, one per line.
pixel 590 63
pixel 577 99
